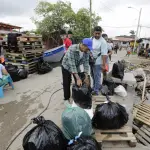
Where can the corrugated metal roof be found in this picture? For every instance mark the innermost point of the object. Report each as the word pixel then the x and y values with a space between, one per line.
pixel 9 25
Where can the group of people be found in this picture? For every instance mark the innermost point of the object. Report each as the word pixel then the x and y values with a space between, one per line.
pixel 95 48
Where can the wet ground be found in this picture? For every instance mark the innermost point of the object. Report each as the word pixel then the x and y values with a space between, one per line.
pixel 30 97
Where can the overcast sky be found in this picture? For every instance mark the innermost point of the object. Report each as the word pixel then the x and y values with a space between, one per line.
pixel 114 13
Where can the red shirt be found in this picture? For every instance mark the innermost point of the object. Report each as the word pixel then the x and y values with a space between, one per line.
pixel 67 43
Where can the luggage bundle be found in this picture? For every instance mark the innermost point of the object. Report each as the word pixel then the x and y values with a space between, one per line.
pixel 82 95
pixel 43 67
pixel 84 143
pixel 46 135
pixel 16 73
pixel 74 121
pixel 118 70
pixel 109 115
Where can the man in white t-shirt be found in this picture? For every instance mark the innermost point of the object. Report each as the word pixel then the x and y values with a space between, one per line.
pixel 99 47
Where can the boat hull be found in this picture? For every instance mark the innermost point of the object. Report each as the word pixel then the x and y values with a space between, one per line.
pixel 54 55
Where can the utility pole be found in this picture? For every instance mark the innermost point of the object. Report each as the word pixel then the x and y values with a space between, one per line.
pixel 90 17
pixel 140 31
pixel 137 28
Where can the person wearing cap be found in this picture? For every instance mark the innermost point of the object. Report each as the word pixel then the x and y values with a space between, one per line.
pixel 99 52
pixel 77 54
pixel 67 42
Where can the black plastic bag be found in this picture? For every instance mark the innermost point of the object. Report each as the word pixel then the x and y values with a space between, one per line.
pixel 85 143
pixel 13 71
pixel 45 136
pixel 82 96
pixel 109 116
pixel 23 73
pixel 43 67
pixel 110 84
pixel 104 90
pixel 82 77
pixel 118 70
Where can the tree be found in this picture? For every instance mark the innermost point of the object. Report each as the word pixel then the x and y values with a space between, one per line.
pixel 53 17
pixel 132 32
pixel 82 24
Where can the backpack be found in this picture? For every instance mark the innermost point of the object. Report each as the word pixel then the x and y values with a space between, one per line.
pixel 118 70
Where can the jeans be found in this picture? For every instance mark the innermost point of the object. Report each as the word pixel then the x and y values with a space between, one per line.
pixel 96 75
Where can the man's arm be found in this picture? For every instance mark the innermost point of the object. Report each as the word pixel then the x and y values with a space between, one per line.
pixel 104 51
pixel 73 67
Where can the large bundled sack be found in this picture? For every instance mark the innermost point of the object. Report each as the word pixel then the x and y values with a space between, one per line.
pixel 84 143
pixel 110 84
pixel 109 115
pixel 23 73
pixel 43 67
pixel 44 136
pixel 118 70
pixel 74 121
pixel 13 71
pixel 82 96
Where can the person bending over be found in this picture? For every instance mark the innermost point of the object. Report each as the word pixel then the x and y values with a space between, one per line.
pixel 75 56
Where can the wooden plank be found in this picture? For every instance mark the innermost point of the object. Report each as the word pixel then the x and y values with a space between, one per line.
pixel 144 136
pixel 145 105
pixel 113 137
pixel 142 140
pixel 145 131
pixel 146 127
pixel 143 117
pixel 143 113
pixel 122 130
pixel 135 127
pixel 144 109
pixel 143 120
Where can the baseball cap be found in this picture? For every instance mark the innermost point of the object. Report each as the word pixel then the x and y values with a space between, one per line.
pixel 88 42
pixel 98 28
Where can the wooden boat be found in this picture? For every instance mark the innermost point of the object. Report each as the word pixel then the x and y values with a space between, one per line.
pixel 55 54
